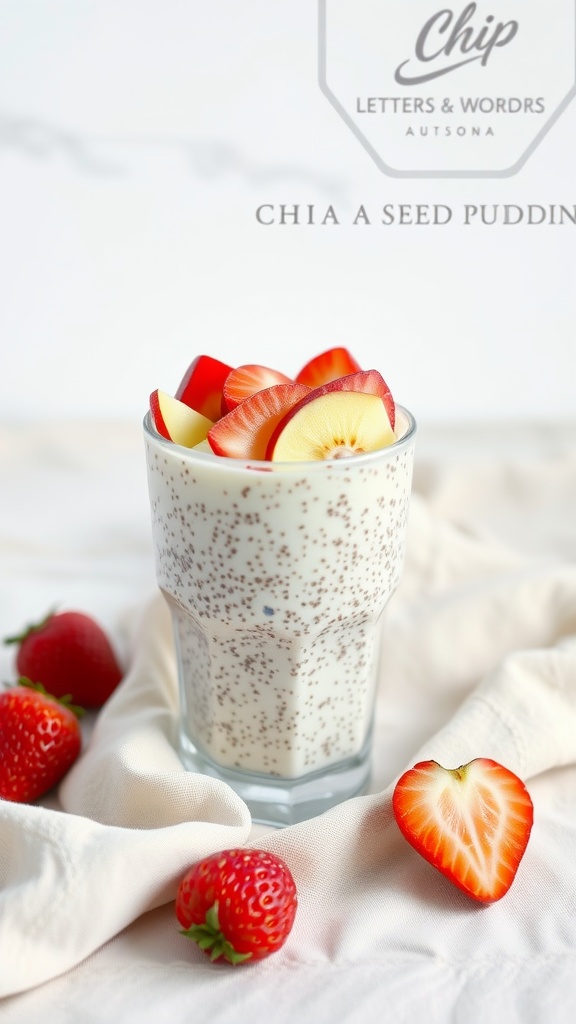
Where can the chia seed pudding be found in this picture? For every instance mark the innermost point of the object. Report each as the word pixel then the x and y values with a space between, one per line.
pixel 277 575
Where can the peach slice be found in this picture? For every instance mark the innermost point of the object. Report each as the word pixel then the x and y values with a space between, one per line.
pixel 176 421
pixel 332 424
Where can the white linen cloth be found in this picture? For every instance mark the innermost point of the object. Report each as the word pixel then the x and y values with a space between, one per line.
pixel 479 660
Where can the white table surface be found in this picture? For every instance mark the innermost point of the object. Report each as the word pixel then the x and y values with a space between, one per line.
pixel 74 531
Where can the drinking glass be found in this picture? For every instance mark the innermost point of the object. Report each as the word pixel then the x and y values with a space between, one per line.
pixel 277 576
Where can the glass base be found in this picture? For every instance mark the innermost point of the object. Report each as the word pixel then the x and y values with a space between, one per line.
pixel 281 802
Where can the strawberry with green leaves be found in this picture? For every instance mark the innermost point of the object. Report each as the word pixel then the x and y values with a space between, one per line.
pixel 472 823
pixel 69 653
pixel 238 904
pixel 39 741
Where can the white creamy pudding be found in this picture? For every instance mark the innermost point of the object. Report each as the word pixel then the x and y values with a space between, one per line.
pixel 277 575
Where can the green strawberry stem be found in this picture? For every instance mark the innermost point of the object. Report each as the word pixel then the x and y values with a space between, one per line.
pixel 66 700
pixel 33 628
pixel 210 938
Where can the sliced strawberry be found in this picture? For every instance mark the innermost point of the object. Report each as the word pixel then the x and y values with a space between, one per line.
pixel 471 823
pixel 245 431
pixel 247 380
pixel 202 384
pixel 336 362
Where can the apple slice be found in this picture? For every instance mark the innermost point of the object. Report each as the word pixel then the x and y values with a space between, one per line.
pixel 204 446
pixel 331 424
pixel 246 380
pixel 370 382
pixel 245 431
pixel 201 386
pixel 177 421
pixel 336 362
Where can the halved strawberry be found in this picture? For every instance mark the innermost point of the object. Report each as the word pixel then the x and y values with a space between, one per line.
pixel 245 431
pixel 247 380
pixel 201 386
pixel 471 823
pixel 336 362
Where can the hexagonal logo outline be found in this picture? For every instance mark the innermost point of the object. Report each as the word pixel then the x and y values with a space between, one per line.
pixel 395 172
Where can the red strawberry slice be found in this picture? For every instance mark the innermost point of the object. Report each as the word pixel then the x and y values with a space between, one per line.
pixel 336 362
pixel 247 380
pixel 471 823
pixel 201 386
pixel 245 431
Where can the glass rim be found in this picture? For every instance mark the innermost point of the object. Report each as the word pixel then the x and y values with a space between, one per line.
pixel 266 465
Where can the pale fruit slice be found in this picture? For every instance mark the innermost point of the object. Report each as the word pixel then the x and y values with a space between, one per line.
pixel 204 446
pixel 369 381
pixel 177 421
pixel 331 425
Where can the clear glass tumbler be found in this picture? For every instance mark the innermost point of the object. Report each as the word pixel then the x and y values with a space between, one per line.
pixel 277 576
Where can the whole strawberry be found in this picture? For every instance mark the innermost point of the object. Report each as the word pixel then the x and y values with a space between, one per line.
pixel 69 653
pixel 39 741
pixel 238 904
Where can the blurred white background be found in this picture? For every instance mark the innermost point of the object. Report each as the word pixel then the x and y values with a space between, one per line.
pixel 137 139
